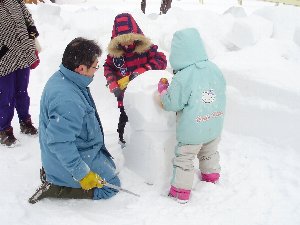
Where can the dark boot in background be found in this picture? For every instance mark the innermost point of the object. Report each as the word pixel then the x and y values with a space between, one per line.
pixel 143 6
pixel 27 127
pixel 7 137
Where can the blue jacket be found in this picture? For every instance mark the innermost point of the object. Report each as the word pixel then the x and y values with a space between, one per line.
pixel 70 132
pixel 197 90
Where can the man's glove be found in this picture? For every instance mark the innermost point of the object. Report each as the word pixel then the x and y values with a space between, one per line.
pixel 162 85
pixel 37 62
pixel 91 180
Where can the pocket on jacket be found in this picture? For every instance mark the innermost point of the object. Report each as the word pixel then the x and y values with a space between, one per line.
pixel 90 124
pixel 3 50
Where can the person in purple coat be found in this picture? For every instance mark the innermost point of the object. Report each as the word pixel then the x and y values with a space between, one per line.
pixel 17 56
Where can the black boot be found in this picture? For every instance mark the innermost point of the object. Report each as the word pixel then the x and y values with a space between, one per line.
pixel 7 137
pixel 48 190
pixel 27 127
pixel 123 119
pixel 143 6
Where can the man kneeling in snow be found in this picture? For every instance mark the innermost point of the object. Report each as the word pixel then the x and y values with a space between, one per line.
pixel 74 157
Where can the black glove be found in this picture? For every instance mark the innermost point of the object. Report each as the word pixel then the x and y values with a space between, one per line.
pixel 32 31
pixel 117 92
pixel 133 75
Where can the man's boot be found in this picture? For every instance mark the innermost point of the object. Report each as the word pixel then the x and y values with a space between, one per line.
pixel 42 175
pixel 7 137
pixel 48 190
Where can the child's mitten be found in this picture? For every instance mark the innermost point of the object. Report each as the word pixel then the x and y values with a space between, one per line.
pixel 162 85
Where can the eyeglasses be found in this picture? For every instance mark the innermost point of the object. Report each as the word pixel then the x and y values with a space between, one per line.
pixel 96 67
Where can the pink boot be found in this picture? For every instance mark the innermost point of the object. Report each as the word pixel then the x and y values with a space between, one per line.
pixel 181 195
pixel 210 177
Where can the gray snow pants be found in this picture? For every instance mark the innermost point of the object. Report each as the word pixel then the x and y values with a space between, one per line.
pixel 183 165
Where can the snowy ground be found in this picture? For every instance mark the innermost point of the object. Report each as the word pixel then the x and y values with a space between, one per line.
pixel 258 49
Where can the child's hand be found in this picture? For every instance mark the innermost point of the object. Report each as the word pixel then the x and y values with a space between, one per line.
pixel 133 75
pixel 162 85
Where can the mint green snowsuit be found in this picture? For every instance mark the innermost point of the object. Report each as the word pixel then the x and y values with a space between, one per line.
pixel 197 94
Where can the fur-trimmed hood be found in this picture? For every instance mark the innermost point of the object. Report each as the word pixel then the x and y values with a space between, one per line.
pixel 126 30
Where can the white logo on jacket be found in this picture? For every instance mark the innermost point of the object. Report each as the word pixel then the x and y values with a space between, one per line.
pixel 208 96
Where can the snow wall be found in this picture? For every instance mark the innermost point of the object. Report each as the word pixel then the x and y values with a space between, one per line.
pixel 253 109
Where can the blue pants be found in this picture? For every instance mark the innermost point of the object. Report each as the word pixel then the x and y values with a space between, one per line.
pixel 13 94
pixel 105 192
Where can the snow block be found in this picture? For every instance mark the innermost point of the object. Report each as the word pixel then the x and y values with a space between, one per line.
pixel 248 31
pixel 284 20
pixel 149 154
pixel 142 101
pixel 236 11
pixel 297 35
pixel 150 146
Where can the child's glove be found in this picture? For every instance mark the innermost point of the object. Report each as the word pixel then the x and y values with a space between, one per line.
pixel 32 31
pixel 133 75
pixel 123 82
pixel 162 85
pixel 91 180
pixel 136 72
pixel 37 62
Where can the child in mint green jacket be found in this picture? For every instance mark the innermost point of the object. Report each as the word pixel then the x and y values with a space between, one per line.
pixel 197 95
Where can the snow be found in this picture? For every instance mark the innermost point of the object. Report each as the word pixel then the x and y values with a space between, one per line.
pixel 259 149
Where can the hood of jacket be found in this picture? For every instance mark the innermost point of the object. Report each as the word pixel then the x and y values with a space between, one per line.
pixel 187 48
pixel 125 29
